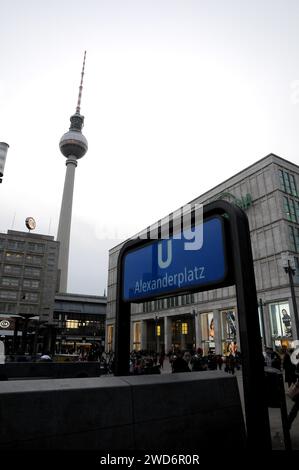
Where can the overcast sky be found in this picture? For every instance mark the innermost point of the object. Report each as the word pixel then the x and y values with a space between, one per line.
pixel 178 96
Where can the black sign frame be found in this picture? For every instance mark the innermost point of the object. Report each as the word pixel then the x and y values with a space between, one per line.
pixel 241 274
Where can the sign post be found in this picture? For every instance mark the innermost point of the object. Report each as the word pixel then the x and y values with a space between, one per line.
pixel 151 269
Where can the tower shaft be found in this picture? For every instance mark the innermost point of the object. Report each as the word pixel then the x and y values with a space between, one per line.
pixel 73 145
pixel 65 220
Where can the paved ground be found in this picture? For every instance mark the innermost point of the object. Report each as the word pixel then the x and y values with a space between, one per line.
pixel 274 415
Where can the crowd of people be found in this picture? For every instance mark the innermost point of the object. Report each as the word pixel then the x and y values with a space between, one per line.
pixel 149 362
pixel 280 359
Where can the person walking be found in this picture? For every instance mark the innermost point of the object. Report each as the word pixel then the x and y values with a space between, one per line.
pixel 180 364
pixel 289 369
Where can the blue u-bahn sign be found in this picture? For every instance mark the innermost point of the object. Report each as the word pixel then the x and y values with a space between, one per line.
pixel 151 269
pixel 166 267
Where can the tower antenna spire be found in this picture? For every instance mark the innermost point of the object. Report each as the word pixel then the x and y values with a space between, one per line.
pixel 81 86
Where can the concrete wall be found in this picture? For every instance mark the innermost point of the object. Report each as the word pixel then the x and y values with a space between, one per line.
pixel 167 412
pixel 49 369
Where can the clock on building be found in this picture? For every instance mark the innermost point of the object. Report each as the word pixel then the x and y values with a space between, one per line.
pixel 30 223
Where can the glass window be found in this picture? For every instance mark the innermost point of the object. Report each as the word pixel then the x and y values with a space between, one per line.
pixel 293 217
pixel 281 179
pixel 291 209
pixel 7 307
pixel 281 325
pixel 286 207
pixel 37 247
pixel 30 284
pixel 293 185
pixel 29 296
pixel 296 230
pixel 294 238
pixel 32 272
pixel 287 182
pixel 229 329
pixel 2 241
pixel 72 324
pixel 8 295
pixel 184 328
pixel 11 269
pixel 14 257
pixel 32 259
pixel 32 309
pixel 15 245
pixel 9 282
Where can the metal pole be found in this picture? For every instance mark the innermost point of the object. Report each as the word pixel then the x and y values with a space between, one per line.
pixel 24 335
pixel 263 323
pixel 15 336
pixel 291 273
pixel 156 333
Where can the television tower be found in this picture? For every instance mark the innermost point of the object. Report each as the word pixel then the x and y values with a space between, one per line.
pixel 73 145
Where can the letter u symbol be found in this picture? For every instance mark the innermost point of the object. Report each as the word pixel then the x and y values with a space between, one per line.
pixel 164 264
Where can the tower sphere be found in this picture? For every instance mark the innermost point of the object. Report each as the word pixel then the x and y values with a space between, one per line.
pixel 73 143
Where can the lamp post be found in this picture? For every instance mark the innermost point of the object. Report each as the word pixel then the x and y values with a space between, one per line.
pixel 194 315
pixel 261 305
pixel 291 272
pixel 26 317
pixel 156 333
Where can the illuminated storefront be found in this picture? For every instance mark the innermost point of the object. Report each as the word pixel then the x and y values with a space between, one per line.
pixel 207 332
pixel 281 324
pixel 229 331
pixel 137 336
pixel 110 338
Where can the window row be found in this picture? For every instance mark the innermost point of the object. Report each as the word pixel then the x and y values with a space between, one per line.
pixel 14 282
pixel 291 209
pixel 170 302
pixel 23 297
pixel 6 307
pixel 287 182
pixel 294 238
pixel 19 257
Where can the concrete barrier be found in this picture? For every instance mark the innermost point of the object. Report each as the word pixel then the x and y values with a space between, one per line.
pixel 13 370
pixel 172 412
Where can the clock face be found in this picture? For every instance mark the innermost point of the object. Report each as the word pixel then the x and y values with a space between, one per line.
pixel 30 223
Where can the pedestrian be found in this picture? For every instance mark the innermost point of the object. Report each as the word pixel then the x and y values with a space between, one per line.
pixel 289 369
pixel 295 408
pixel 219 361
pixel 180 363
pixel 161 359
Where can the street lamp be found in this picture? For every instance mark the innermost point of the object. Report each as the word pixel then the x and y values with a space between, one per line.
pixel 291 272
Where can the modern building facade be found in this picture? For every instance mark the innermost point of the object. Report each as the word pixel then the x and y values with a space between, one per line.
pixel 268 191
pixel 28 278
pixel 80 321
